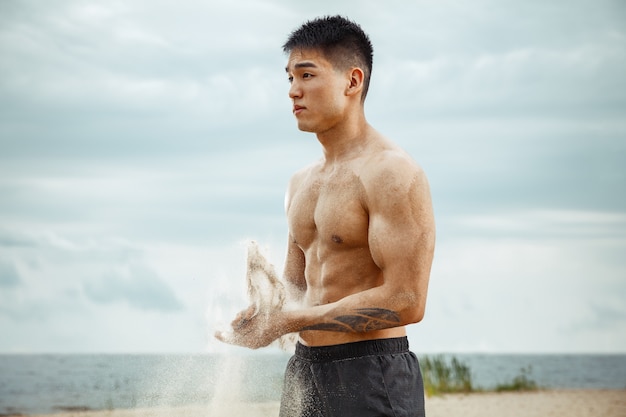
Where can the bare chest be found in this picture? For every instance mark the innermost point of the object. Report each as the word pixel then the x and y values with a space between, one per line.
pixel 329 209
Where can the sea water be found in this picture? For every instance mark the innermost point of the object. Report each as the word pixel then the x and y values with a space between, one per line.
pixel 32 384
pixel 51 383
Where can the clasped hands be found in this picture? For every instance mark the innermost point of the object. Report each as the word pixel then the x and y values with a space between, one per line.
pixel 253 328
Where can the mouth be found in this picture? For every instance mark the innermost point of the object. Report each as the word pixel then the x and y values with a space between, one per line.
pixel 298 109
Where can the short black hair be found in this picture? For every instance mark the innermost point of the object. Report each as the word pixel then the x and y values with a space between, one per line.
pixel 340 40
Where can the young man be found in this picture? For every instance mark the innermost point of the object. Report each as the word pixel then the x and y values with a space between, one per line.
pixel 361 242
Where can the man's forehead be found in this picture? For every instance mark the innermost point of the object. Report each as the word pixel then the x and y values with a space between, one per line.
pixel 308 58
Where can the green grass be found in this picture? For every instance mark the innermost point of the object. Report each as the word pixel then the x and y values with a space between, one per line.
pixel 443 376
pixel 521 382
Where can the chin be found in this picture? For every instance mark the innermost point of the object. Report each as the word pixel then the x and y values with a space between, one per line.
pixel 306 128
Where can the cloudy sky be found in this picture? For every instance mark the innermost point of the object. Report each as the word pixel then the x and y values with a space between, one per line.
pixel 143 143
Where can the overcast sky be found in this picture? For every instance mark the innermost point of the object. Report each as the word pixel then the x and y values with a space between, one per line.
pixel 142 143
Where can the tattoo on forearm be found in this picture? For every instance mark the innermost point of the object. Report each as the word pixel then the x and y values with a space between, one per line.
pixel 363 320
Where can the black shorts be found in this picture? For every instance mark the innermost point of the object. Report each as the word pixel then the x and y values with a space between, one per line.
pixel 363 379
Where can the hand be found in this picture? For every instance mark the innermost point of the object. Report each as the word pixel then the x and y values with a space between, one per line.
pixel 252 328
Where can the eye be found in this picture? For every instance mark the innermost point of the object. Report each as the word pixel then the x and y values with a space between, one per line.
pixel 307 75
pixel 290 79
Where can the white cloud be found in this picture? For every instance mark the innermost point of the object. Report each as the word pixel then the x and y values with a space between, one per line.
pixel 534 295
pixel 9 276
pixel 140 142
pixel 135 284
pixel 544 223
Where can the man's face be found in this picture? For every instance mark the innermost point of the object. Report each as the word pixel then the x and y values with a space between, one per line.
pixel 317 91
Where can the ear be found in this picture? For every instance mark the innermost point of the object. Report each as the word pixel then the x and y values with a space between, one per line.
pixel 356 78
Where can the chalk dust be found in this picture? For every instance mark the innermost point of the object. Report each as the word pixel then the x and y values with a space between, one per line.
pixel 266 292
pixel 228 386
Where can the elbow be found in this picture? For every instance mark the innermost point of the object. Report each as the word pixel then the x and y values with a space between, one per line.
pixel 414 315
pixel 410 304
pixel 413 311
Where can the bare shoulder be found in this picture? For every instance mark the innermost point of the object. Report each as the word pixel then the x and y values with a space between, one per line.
pixel 397 190
pixel 299 178
pixel 391 170
pixel 302 174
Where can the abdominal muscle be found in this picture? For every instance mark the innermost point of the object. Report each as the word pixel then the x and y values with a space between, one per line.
pixel 344 272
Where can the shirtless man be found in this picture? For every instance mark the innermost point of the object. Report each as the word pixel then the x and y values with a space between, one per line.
pixel 361 242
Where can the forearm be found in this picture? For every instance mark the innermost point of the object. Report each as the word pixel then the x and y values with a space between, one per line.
pixel 370 310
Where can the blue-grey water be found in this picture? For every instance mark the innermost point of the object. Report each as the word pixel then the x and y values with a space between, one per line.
pixel 38 384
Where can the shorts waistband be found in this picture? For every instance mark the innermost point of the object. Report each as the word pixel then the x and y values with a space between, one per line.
pixel 352 350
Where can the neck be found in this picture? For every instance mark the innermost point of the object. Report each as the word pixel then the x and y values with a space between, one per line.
pixel 346 138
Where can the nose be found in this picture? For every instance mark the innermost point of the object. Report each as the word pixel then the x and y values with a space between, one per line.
pixel 294 90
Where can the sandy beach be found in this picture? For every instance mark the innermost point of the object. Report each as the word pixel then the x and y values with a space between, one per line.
pixel 548 403
pixel 561 403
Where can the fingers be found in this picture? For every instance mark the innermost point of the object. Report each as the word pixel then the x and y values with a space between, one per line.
pixel 226 337
pixel 239 340
pixel 248 330
pixel 232 338
pixel 243 317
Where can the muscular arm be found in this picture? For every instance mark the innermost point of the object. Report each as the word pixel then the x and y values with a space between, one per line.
pixel 294 273
pixel 360 320
pixel 295 262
